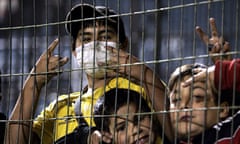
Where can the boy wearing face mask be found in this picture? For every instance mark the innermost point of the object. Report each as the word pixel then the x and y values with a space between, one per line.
pixel 98 44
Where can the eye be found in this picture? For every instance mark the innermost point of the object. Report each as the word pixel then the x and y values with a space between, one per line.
pixel 176 100
pixel 139 118
pixel 199 95
pixel 121 127
pixel 105 37
pixel 86 40
pixel 198 98
pixel 108 35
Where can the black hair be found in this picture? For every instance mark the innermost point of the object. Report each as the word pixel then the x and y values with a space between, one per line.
pixel 85 15
pixel 112 100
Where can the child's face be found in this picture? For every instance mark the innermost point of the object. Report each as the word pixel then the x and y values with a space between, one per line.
pixel 193 108
pixel 126 130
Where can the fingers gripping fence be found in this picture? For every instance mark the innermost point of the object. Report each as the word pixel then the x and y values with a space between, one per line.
pixel 116 71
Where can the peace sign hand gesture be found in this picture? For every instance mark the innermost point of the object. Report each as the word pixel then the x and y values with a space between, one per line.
pixel 216 44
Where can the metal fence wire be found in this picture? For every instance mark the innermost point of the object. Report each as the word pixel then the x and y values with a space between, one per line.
pixel 115 85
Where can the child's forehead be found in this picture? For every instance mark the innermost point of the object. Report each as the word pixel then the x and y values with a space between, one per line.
pixel 129 112
pixel 181 78
pixel 203 84
pixel 127 109
pixel 186 75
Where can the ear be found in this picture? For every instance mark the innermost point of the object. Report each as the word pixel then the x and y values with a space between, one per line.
pixel 224 110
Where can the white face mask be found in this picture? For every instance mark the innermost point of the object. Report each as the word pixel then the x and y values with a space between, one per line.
pixel 94 57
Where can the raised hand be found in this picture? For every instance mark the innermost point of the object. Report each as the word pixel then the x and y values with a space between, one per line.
pixel 48 65
pixel 216 44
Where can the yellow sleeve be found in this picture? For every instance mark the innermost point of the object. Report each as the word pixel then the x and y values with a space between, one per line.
pixel 43 125
pixel 56 120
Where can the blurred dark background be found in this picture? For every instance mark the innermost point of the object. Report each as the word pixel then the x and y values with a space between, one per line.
pixel 161 33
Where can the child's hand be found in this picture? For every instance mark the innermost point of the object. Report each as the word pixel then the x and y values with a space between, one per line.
pixel 202 75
